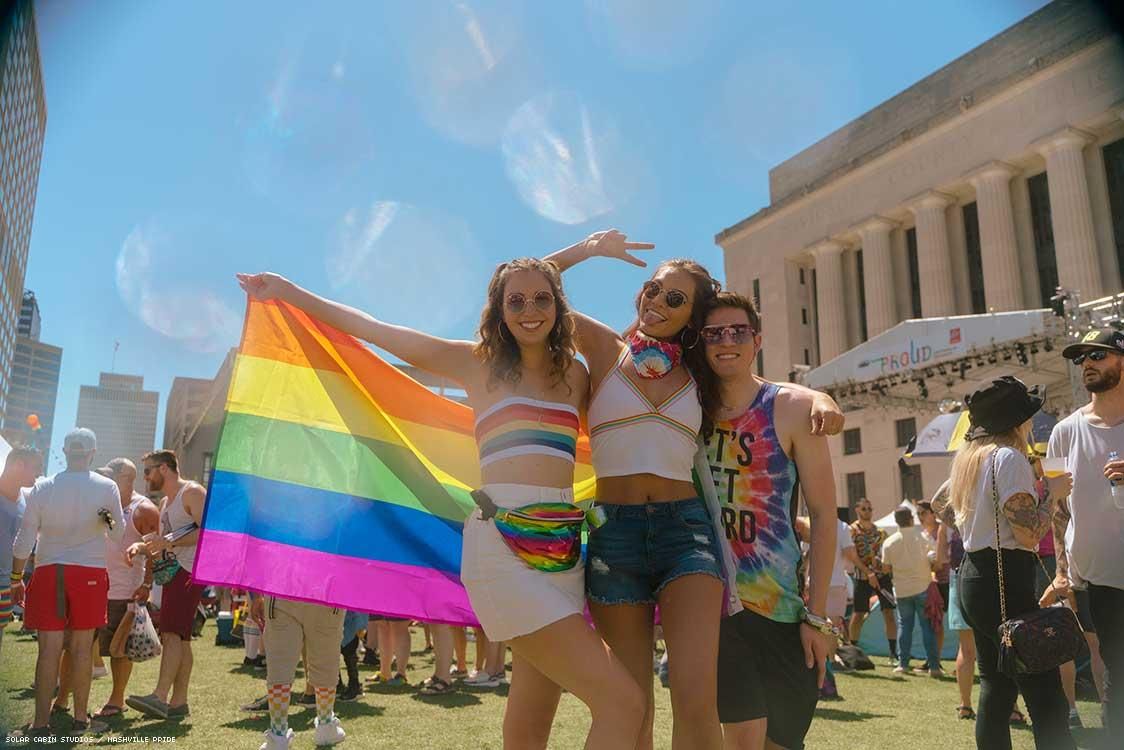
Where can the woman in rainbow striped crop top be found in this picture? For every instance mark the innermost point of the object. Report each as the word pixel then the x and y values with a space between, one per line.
pixel 521 560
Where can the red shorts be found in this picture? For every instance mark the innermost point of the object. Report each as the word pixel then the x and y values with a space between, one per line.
pixel 66 597
pixel 179 599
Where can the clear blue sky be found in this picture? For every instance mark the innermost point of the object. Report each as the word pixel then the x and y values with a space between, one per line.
pixel 390 154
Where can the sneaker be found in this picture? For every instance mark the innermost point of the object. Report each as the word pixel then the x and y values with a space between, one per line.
pixel 329 733
pixel 1075 719
pixel 478 678
pixel 277 742
pixel 892 661
pixel 257 706
pixel 350 693
pixel 259 661
pixel 99 672
pixel 178 712
pixel 900 670
pixel 149 705
pixel 457 674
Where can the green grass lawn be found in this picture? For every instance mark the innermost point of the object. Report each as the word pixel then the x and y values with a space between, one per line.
pixel 878 710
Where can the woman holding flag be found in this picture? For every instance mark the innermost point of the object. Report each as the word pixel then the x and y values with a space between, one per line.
pixel 521 562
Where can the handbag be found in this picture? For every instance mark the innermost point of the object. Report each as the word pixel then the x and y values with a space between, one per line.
pixel 545 536
pixel 1039 640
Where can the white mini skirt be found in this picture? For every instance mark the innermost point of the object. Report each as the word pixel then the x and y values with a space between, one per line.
pixel 510 597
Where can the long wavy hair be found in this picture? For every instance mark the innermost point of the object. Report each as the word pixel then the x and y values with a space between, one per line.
pixel 964 476
pixel 694 355
pixel 497 346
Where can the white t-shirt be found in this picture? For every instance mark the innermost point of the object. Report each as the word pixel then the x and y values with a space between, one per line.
pixel 123 580
pixel 1013 475
pixel 1094 538
pixel 62 512
pixel 907 552
pixel 842 541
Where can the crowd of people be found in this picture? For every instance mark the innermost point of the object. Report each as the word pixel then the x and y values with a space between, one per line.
pixel 701 465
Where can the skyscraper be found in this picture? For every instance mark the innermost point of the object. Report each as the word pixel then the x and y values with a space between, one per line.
pixel 123 416
pixel 186 402
pixel 33 387
pixel 23 123
pixel 29 321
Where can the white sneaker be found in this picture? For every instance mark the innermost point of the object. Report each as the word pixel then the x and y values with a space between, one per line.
pixel 99 672
pixel 484 680
pixel 275 742
pixel 477 677
pixel 329 733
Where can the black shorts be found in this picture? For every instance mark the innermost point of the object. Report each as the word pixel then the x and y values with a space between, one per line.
pixel 1084 615
pixel 943 588
pixel 863 592
pixel 762 675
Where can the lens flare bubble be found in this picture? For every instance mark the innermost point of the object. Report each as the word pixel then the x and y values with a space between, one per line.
pixel 407 265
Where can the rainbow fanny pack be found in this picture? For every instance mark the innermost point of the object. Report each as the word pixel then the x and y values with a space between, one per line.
pixel 546 536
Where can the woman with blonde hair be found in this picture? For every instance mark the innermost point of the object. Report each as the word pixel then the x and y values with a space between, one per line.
pixel 993 487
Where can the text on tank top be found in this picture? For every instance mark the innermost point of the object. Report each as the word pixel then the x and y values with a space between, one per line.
pixel 757 487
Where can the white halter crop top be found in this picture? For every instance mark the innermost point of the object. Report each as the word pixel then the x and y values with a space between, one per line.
pixel 630 435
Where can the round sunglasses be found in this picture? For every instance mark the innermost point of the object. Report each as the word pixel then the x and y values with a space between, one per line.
pixel 1095 356
pixel 737 333
pixel 516 302
pixel 673 297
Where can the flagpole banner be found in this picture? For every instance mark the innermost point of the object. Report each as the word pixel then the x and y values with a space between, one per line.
pixel 339 479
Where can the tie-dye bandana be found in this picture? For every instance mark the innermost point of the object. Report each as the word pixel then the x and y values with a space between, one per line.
pixel 653 358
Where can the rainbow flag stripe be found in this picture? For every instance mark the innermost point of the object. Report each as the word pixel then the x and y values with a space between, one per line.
pixel 338 478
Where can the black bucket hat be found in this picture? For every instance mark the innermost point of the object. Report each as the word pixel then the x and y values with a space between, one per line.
pixel 1002 405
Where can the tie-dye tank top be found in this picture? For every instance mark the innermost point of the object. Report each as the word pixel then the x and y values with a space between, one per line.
pixel 757 488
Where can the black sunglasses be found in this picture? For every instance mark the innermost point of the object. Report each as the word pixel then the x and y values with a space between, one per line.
pixel 1096 356
pixel 517 302
pixel 673 297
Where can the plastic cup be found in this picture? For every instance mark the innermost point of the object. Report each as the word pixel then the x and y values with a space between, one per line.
pixel 1053 467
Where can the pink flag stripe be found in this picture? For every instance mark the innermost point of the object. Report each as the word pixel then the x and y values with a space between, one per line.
pixel 406 590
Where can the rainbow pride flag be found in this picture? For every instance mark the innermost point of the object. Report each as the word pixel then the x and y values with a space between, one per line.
pixel 339 479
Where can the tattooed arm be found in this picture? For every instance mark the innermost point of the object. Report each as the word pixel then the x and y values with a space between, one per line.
pixel 1058 522
pixel 1029 521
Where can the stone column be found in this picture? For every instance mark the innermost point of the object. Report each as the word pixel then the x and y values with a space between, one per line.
pixel 878 275
pixel 1075 239
pixel 831 313
pixel 999 249
pixel 934 262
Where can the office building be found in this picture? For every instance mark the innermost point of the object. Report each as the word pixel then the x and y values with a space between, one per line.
pixel 123 416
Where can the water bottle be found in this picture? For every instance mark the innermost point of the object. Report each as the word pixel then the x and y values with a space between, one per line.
pixel 1117 490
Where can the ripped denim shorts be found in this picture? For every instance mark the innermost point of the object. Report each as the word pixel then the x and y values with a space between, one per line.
pixel 642 548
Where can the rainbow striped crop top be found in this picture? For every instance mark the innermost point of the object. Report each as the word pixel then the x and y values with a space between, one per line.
pixel 519 426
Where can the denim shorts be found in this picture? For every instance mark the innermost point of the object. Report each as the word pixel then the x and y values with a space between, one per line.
pixel 642 548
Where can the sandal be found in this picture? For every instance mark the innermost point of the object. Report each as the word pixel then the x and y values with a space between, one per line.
pixel 109 711
pixel 89 726
pixel 436 686
pixel 1017 718
pixel 965 712
pixel 56 709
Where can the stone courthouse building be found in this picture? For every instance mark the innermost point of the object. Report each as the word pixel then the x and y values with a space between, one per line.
pixel 910 254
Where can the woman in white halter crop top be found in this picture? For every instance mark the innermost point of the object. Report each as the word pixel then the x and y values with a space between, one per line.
pixel 652 395
pixel 526 389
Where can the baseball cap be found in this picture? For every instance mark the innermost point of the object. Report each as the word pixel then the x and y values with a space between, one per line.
pixel 80 440
pixel 1098 338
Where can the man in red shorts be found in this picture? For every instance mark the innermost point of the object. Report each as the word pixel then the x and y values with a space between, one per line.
pixel 181 512
pixel 70 514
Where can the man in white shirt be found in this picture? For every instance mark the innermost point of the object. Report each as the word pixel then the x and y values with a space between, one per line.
pixel 906 555
pixel 128 581
pixel 1089 528
pixel 70 514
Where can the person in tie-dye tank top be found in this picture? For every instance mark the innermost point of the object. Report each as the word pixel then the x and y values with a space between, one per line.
pixel 772 654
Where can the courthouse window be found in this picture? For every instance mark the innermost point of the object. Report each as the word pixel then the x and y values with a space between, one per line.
pixel 856 488
pixel 852 441
pixel 1114 171
pixel 975 258
pixel 905 429
pixel 1040 219
pixel 914 272
pixel 911 481
pixel 804 315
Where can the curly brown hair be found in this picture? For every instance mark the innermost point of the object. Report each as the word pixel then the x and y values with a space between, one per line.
pixel 497 346
pixel 694 356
